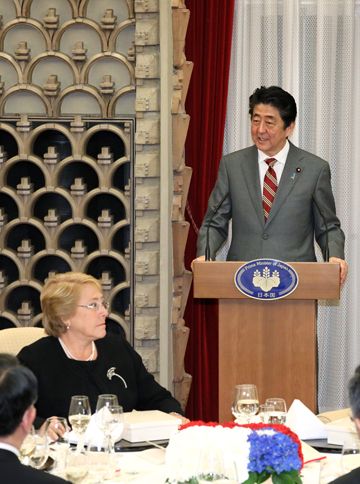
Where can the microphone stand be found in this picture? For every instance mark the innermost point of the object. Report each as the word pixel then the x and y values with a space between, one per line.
pixel 214 212
pixel 326 249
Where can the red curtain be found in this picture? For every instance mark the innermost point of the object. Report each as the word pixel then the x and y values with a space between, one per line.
pixel 208 45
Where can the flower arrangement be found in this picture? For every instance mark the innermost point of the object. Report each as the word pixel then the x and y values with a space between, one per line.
pixel 247 454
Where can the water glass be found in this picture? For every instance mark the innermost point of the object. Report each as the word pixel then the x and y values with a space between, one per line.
pixel 278 415
pixel 350 454
pixel 246 401
pixel 104 402
pixel 265 412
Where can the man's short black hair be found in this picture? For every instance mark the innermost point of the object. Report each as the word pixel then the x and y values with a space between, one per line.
pixel 7 361
pixel 354 393
pixel 276 97
pixel 18 391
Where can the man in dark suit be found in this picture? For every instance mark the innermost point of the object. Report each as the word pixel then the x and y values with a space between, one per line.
pixel 353 477
pixel 303 207
pixel 18 393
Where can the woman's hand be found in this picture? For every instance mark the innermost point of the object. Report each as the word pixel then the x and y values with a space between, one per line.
pixel 184 420
pixel 53 428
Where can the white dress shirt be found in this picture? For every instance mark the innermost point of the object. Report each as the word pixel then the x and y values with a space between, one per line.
pixel 278 167
pixel 10 448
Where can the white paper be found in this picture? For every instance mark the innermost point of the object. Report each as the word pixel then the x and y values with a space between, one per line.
pixel 301 420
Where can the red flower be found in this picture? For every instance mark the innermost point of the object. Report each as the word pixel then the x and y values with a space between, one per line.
pixel 255 426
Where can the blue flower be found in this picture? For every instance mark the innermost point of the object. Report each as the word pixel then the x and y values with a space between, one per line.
pixel 273 453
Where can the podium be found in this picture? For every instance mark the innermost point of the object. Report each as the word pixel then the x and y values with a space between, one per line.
pixel 270 343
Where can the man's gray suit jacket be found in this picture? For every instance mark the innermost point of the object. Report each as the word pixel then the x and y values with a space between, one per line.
pixel 288 234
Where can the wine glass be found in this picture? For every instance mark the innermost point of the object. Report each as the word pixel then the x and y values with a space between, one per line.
pixel 350 454
pixel 27 447
pixel 246 401
pixel 104 402
pixel 40 452
pixel 278 415
pixel 79 418
pixel 76 466
pixel 57 433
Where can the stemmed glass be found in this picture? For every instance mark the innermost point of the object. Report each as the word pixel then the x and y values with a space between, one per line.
pixel 40 452
pixel 115 425
pixel 278 415
pixel 34 449
pixel 350 454
pixel 60 444
pixel 27 447
pixel 246 401
pixel 104 402
pixel 79 418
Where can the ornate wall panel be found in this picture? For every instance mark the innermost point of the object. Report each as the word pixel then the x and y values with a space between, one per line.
pixel 80 161
pixel 67 130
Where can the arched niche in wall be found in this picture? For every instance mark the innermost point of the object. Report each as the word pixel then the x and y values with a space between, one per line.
pixel 18 233
pixel 53 63
pixel 9 142
pixel 21 100
pixel 51 137
pixel 121 238
pixel 8 10
pixel 105 202
pixel 77 100
pixel 9 206
pixel 9 72
pixel 94 9
pixel 49 263
pixel 52 201
pixel 37 9
pixel 78 239
pixel 123 102
pixel 21 294
pixel 10 270
pixel 114 267
pixel 78 169
pixel 82 31
pixel 122 38
pixel 21 169
pixel 29 33
pixel 105 138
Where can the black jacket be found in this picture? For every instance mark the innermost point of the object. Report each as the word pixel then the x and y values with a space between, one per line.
pixel 13 471
pixel 60 377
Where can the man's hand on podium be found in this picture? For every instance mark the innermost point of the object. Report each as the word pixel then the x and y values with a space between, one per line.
pixel 343 268
pixel 201 258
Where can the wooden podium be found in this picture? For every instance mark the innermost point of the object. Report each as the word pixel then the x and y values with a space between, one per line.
pixel 270 343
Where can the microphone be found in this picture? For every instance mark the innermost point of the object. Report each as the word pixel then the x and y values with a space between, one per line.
pixel 326 250
pixel 214 209
pixel 111 372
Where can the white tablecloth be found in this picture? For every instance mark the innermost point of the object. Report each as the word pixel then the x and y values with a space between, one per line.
pixel 148 467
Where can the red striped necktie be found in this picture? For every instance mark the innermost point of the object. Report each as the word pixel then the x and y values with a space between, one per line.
pixel 270 187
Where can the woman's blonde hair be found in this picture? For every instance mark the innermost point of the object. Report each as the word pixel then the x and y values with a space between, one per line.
pixel 59 298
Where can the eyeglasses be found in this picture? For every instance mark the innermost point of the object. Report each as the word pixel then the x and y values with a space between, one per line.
pixel 95 306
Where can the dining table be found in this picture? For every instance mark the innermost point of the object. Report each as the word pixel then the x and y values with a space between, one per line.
pixel 148 467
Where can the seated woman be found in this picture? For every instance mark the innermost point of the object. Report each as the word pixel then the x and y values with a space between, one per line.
pixel 78 358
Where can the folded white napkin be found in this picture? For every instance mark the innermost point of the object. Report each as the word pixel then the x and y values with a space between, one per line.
pixel 301 420
pixel 94 436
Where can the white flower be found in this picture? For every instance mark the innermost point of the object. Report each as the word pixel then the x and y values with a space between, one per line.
pixel 208 450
